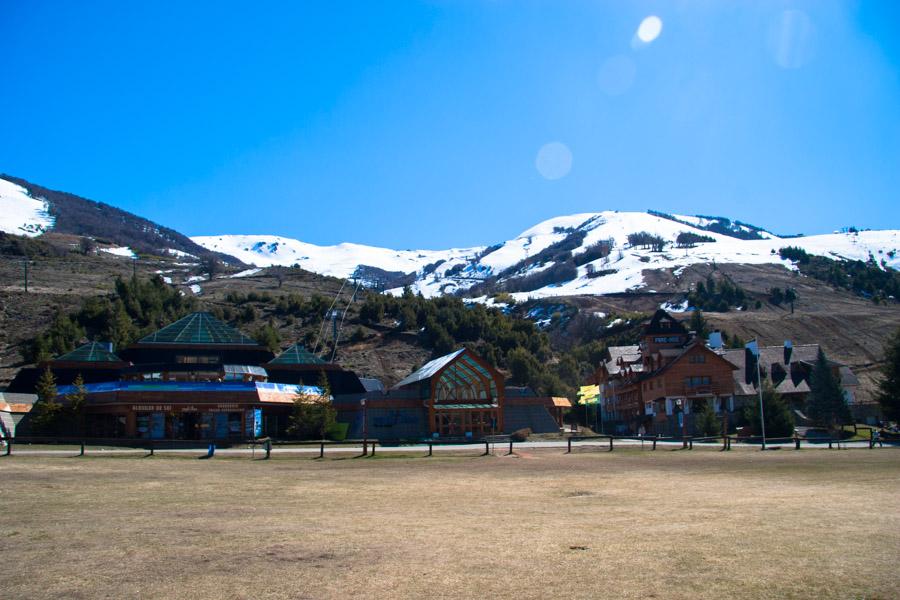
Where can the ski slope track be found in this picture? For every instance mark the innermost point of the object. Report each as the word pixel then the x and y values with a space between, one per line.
pixel 623 269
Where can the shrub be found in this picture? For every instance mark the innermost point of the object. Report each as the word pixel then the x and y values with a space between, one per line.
pixel 520 435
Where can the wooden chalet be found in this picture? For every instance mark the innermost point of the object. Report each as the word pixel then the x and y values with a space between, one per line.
pixel 658 383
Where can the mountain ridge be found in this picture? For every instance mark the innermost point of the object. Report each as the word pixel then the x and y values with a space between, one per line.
pixel 570 251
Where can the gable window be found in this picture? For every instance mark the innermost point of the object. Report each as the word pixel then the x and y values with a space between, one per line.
pixel 697 358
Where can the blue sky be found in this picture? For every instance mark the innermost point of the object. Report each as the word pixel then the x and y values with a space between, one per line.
pixel 419 124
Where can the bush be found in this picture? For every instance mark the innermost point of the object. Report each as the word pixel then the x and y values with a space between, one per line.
pixel 520 435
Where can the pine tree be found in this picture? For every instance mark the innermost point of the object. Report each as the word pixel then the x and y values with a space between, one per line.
pixel 826 403
pixel 705 421
pixel 313 416
pixel 779 421
pixel 699 324
pixel 889 386
pixel 47 410
pixel 78 403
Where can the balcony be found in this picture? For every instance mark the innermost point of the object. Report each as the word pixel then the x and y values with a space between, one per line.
pixel 689 391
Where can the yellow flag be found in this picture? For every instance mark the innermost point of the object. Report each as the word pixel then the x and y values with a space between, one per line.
pixel 589 390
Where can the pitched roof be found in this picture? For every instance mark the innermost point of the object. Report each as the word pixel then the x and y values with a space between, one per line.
pixel 297 354
pixel 772 358
pixel 656 324
pixel 429 368
pixel 92 352
pixel 199 328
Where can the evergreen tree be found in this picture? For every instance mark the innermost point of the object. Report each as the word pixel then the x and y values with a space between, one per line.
pixel 826 403
pixel 779 421
pixel 698 323
pixel 524 367
pixel 889 385
pixel 46 411
pixel 268 337
pixel 77 404
pixel 706 422
pixel 313 416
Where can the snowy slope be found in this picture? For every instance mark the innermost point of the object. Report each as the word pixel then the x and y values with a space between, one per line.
pixel 20 213
pixel 623 268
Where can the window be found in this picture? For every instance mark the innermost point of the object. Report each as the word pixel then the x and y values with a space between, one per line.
pixel 696 381
pixel 697 358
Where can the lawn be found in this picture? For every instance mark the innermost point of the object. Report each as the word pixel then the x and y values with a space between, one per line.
pixel 627 524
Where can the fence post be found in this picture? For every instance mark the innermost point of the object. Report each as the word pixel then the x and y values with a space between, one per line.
pixel 510 446
pixel 151 447
pixel 569 451
pixel 373 448
pixel 725 442
pixel 829 443
pixel 429 448
pixel 82 448
pixel 9 443
pixel 487 448
pixel 654 441
pixel 871 439
pixel 268 448
pixel 796 442
pixel 322 449
pixel 610 443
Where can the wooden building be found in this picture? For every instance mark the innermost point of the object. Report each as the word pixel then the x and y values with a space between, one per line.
pixel 658 383
pixel 197 378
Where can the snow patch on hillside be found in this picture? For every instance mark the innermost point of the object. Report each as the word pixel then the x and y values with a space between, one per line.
pixel 123 251
pixel 21 214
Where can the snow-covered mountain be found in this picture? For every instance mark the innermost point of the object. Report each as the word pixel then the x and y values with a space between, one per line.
pixel 588 253
pixel 31 210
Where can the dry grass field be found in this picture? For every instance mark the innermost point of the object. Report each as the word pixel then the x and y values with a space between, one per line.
pixel 631 524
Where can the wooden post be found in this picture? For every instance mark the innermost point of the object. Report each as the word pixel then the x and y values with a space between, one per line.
pixel 82 449
pixel 510 447
pixel 373 448
pixel 151 447
pixel 654 441
pixel 610 443
pixel 322 449
pixel 487 448
pixel 569 451
pixel 268 448
pixel 9 443
pixel 429 448
pixel 796 442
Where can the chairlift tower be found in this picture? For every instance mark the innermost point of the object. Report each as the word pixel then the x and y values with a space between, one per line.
pixel 336 315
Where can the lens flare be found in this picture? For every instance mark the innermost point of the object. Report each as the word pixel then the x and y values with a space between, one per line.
pixel 554 160
pixel 649 29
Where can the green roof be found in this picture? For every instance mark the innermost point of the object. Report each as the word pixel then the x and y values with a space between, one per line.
pixel 93 352
pixel 198 328
pixel 297 355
